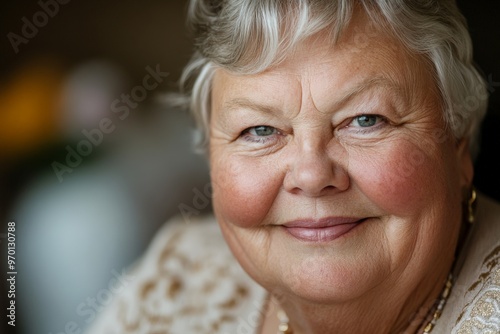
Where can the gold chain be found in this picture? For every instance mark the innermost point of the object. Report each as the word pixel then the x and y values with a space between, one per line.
pixel 440 304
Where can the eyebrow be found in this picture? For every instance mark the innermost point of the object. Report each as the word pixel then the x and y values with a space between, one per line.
pixel 365 85
pixel 379 81
pixel 244 103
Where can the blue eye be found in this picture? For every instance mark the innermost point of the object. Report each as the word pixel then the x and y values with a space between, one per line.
pixel 261 134
pixel 366 121
pixel 261 131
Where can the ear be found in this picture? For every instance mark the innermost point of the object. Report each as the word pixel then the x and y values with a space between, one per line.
pixel 465 163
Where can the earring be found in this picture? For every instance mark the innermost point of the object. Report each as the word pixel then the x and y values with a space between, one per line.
pixel 471 206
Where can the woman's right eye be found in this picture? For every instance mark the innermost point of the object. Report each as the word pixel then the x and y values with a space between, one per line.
pixel 260 134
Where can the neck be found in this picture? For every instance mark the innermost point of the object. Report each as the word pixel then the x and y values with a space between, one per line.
pixel 374 313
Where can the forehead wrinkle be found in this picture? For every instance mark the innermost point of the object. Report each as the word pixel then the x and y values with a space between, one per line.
pixel 310 96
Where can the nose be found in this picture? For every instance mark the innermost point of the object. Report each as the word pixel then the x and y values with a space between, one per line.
pixel 317 171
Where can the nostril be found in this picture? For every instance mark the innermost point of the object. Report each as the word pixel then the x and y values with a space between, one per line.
pixel 327 190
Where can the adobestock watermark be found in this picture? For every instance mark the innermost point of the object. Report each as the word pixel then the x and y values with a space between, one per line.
pixel 120 107
pixel 89 309
pixel 201 200
pixel 31 26
pixel 252 321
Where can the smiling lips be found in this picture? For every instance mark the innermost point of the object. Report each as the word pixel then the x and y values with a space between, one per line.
pixel 323 230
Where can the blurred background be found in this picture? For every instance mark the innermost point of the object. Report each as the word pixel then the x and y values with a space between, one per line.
pixel 92 162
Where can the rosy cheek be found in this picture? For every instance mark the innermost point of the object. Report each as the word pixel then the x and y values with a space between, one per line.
pixel 398 179
pixel 244 192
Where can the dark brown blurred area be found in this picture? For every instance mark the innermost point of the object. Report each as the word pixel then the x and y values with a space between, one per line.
pixel 78 50
pixel 484 28
pixel 129 34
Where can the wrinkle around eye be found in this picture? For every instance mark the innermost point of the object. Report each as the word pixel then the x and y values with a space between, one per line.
pixel 261 145
pixel 352 126
pixel 353 135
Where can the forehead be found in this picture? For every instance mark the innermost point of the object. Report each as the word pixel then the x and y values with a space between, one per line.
pixel 365 53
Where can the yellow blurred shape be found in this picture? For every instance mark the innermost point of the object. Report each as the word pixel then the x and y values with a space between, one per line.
pixel 29 115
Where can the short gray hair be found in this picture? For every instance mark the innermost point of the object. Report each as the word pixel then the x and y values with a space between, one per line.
pixel 249 36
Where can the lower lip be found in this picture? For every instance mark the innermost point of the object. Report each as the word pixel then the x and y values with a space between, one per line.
pixel 323 234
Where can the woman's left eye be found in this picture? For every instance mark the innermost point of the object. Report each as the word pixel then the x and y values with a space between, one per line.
pixel 366 121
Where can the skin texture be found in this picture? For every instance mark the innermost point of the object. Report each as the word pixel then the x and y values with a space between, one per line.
pixel 403 173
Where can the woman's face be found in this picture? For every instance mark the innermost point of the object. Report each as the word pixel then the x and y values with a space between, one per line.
pixel 334 174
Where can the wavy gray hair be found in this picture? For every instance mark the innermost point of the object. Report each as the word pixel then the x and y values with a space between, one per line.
pixel 249 36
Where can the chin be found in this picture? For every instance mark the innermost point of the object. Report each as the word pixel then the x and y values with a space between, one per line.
pixel 321 280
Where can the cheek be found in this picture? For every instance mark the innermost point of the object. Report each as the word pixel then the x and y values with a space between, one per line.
pixel 400 179
pixel 243 192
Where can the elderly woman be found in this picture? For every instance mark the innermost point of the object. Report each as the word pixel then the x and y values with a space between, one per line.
pixel 339 136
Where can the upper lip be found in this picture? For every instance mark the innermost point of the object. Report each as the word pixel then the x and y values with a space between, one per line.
pixel 323 222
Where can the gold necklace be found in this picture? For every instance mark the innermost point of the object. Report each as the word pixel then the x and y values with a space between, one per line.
pixel 284 326
pixel 440 303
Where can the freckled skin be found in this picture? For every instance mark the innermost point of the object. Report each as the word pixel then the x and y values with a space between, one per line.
pixel 399 174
